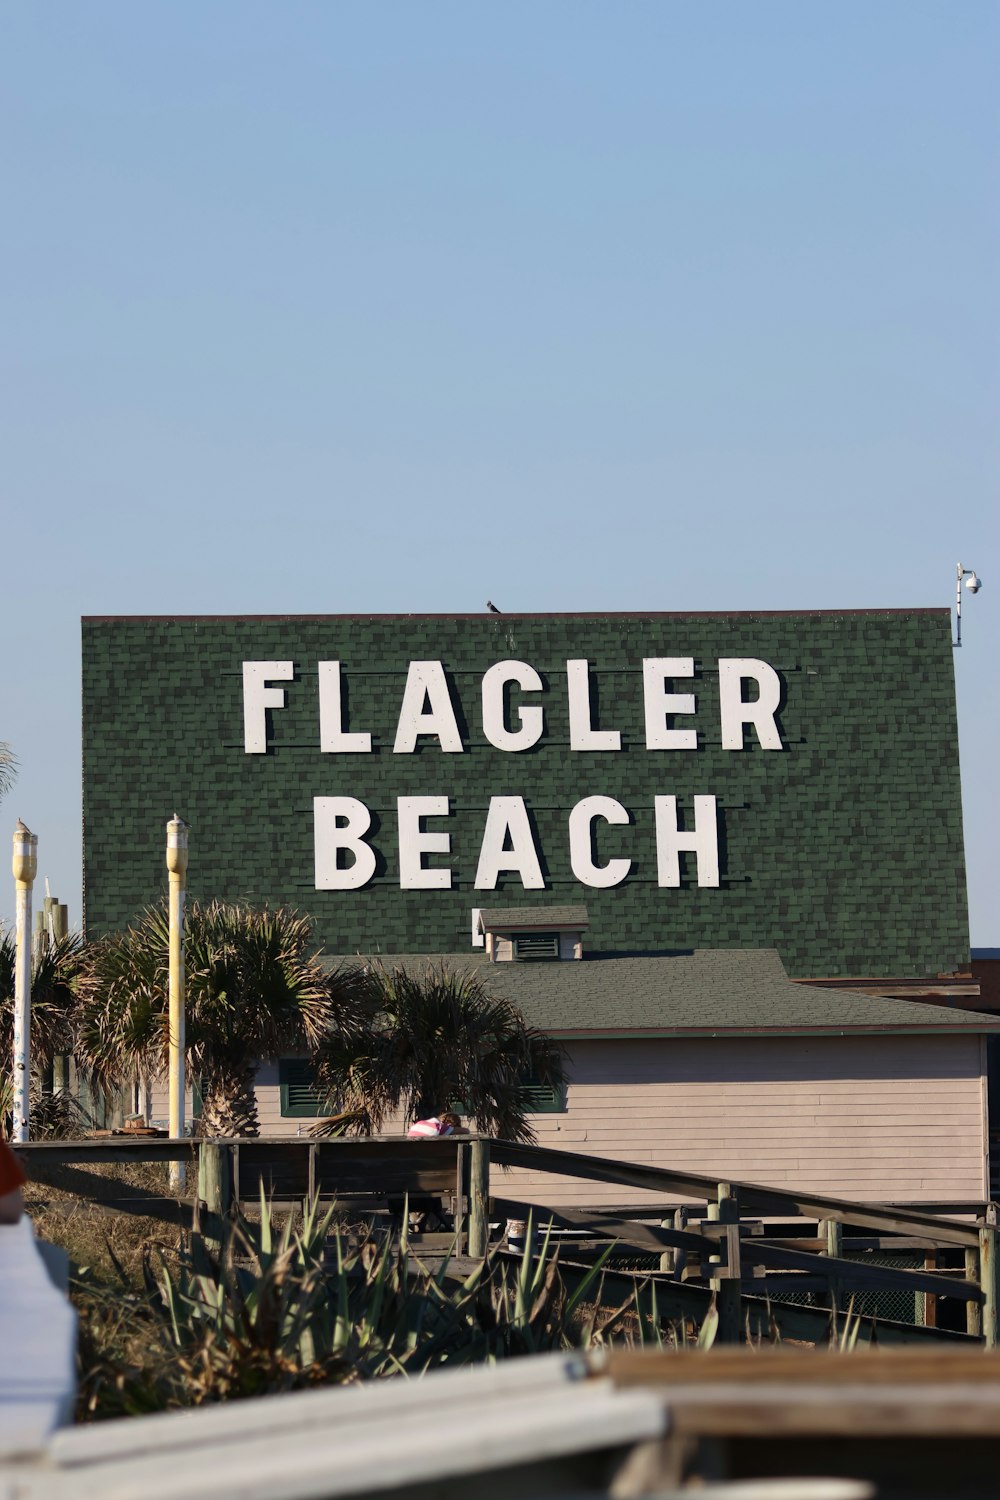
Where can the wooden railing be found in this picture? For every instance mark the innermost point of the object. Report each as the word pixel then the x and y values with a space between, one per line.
pixel 744 1245
pixel 752 1241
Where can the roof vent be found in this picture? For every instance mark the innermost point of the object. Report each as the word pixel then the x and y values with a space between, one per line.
pixel 526 934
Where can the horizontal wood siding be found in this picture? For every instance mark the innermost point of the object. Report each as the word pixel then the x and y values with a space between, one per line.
pixel 272 1122
pixel 898 1118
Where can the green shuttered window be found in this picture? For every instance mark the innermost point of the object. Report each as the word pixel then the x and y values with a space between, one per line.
pixel 301 1094
pixel 539 1099
pixel 544 1099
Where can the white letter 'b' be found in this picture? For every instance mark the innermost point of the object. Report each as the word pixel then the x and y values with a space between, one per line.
pixel 341 823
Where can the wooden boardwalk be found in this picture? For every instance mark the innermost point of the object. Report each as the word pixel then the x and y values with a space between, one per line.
pixel 746 1247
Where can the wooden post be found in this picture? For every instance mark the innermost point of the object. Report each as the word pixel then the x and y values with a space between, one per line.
pixel 479 1198
pixel 727 1284
pixel 214 1186
pixel 973 1312
pixel 461 1178
pixel 668 1259
pixel 833 1229
pixel 930 1301
pixel 989 1280
pixel 680 1258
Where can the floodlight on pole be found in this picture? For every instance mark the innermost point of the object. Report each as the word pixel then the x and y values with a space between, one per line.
pixel 973 583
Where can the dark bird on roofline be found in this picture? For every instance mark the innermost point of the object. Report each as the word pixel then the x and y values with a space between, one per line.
pixel 492 608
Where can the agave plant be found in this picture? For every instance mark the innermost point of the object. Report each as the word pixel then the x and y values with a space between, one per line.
pixel 277 1310
pixel 437 1040
pixel 255 989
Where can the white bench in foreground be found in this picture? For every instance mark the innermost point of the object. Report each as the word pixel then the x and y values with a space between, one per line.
pixel 470 1425
pixel 37 1346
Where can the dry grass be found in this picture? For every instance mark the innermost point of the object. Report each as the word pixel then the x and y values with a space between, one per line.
pixel 93 1234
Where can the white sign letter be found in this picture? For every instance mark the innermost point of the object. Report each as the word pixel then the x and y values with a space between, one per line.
pixel 581 851
pixel 582 734
pixel 508 819
pixel 341 823
pixel 735 711
pixel 414 842
pixel 531 719
pixel 258 698
pixel 426 683
pixel 660 704
pixel 702 841
pixel 332 734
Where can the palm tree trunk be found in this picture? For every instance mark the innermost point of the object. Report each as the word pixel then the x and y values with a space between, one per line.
pixel 229 1104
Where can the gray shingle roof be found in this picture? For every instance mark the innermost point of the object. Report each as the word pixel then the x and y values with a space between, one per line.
pixel 707 992
pixel 503 918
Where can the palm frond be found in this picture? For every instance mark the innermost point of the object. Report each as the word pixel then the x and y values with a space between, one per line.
pixel 428 1040
pixel 55 977
pixel 8 768
pixel 255 988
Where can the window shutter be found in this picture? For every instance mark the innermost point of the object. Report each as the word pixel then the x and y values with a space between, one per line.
pixel 543 1099
pixel 301 1094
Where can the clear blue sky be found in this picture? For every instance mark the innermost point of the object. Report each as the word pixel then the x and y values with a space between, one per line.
pixel 347 307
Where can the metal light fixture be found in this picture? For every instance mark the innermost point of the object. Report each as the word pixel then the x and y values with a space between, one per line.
pixel 973 583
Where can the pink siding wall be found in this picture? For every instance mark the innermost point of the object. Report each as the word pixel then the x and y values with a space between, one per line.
pixel 898 1118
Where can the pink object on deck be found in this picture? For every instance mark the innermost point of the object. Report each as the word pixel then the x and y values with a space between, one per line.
pixel 421 1129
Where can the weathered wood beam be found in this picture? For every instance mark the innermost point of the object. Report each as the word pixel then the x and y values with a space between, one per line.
pixel 625 1232
pixel 989 1280
pixel 754 1198
pixel 852 1273
pixel 479 1198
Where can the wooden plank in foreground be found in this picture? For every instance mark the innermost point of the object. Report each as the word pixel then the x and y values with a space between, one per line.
pixel 779 1393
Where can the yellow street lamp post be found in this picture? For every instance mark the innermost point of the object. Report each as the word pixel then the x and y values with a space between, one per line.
pixel 177 860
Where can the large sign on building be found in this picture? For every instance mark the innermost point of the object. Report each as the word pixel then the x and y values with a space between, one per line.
pixel 754 780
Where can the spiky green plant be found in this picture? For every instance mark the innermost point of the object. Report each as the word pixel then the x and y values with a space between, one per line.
pixel 437 1040
pixel 255 989
pixel 280 1309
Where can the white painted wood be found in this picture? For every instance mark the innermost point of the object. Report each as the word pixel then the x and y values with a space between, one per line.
pixel 348 1441
pixel 37 1345
pixel 302 1410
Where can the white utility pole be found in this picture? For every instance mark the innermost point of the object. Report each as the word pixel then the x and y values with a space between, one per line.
pixel 25 866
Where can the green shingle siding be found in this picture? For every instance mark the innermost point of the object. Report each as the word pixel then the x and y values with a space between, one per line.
pixel 844 852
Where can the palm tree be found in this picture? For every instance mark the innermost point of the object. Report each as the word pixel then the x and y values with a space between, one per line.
pixel 438 1040
pixel 255 989
pixel 55 972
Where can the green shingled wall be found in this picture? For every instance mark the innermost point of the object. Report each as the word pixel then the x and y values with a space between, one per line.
pixel 844 851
